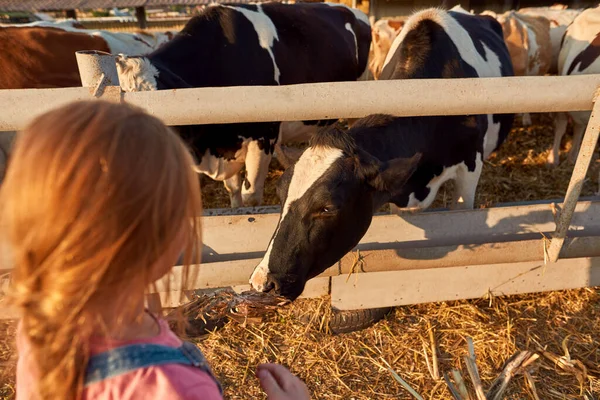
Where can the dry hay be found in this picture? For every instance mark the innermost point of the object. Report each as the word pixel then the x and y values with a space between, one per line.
pixel 352 365
pixel 551 325
pixel 210 311
pixel 562 328
pixel 7 359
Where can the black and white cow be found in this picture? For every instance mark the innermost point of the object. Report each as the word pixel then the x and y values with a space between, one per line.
pixel 579 55
pixel 330 194
pixel 254 44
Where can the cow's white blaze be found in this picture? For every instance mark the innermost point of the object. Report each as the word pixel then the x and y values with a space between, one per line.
pixel 349 28
pixel 136 74
pixel 311 166
pixel 266 31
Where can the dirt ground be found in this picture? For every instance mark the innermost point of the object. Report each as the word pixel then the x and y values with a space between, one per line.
pixel 561 327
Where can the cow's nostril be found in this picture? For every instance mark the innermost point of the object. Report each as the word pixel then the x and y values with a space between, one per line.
pixel 269 285
pixel 272 285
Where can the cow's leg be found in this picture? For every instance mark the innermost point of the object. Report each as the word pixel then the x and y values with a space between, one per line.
pixel 578 130
pixel 526 119
pixel 228 171
pixel 257 168
pixel 560 127
pixel 233 186
pixel 465 185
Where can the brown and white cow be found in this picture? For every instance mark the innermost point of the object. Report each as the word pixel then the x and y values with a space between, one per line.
pixel 560 18
pixel 42 55
pixel 46 52
pixel 69 23
pixel 528 40
pixel 383 34
pixel 579 55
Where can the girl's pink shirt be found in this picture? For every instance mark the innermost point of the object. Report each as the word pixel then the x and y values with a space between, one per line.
pixel 168 382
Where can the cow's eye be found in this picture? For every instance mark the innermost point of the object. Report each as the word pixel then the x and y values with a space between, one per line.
pixel 326 211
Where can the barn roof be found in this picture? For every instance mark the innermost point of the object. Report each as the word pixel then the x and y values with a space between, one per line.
pixel 56 5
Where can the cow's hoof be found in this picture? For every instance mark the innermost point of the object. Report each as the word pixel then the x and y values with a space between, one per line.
pixel 356 320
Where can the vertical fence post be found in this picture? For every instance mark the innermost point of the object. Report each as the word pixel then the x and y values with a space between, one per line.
pixel 588 145
pixel 97 70
pixel 140 14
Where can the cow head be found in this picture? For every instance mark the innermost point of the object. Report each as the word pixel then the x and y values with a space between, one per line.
pixel 139 74
pixel 383 34
pixel 328 198
pixel 136 73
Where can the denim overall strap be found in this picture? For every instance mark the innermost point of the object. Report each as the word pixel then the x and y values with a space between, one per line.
pixel 125 359
pixel 193 353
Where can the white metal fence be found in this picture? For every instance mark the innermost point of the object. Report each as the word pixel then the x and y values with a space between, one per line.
pixel 432 256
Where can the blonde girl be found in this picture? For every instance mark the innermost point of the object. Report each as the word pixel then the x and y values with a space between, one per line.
pixel 99 201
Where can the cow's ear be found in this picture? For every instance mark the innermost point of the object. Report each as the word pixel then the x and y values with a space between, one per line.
pixel 375 35
pixel 392 175
pixel 396 25
pixel 287 156
pixel 121 61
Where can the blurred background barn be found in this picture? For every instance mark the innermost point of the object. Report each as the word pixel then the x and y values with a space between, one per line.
pixel 130 15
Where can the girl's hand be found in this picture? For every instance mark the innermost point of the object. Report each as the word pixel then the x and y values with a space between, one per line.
pixel 280 384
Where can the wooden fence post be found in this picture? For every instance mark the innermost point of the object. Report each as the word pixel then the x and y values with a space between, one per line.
pixel 140 14
pixel 582 164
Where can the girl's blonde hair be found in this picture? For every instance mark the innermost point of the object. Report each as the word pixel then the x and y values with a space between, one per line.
pixel 94 195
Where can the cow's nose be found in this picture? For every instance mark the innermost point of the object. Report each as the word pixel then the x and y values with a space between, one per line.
pixel 272 285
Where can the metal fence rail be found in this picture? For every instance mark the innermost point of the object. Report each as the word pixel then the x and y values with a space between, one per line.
pixel 408 259
pixel 326 100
